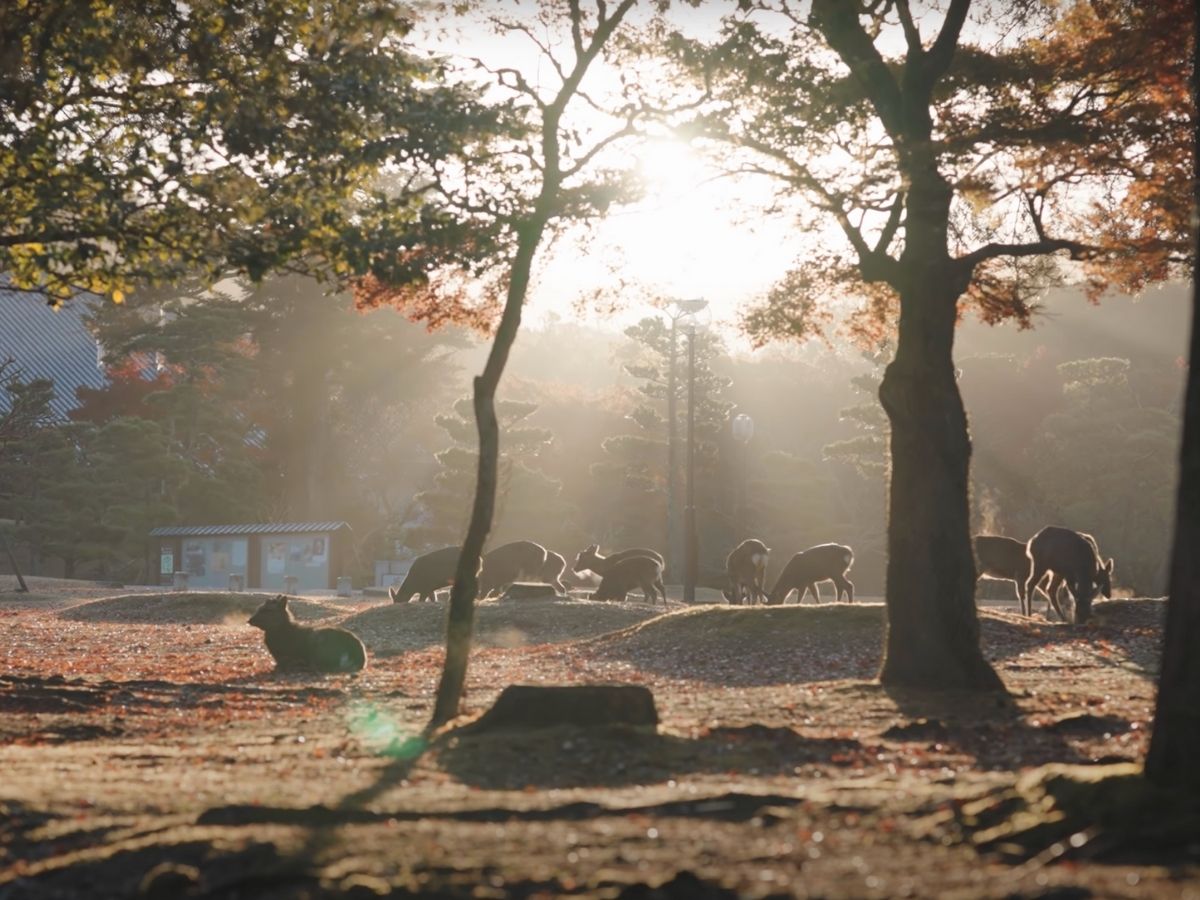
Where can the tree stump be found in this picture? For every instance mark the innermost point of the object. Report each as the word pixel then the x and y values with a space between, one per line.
pixel 528 590
pixel 527 706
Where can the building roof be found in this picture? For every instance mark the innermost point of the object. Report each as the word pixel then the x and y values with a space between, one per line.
pixel 250 528
pixel 50 343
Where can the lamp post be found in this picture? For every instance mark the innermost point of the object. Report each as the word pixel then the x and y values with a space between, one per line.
pixel 743 431
pixel 691 539
pixel 683 309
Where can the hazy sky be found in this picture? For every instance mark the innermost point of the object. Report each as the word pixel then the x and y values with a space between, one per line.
pixel 693 235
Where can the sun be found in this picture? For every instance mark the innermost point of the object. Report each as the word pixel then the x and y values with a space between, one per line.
pixel 693 233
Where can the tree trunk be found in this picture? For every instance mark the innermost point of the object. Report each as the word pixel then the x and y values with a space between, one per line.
pixel 933 631
pixel 1175 743
pixel 460 620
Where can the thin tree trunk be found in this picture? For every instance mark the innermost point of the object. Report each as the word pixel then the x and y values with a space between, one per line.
pixel 1175 742
pixel 933 631
pixel 460 620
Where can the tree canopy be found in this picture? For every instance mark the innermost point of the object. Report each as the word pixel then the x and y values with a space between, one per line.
pixel 143 142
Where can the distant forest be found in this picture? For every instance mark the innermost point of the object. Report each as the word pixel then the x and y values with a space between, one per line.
pixel 315 411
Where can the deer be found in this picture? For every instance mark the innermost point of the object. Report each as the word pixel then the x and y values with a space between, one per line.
pixel 1074 560
pixel 1004 559
pixel 553 570
pixel 508 563
pixel 746 566
pixel 824 562
pixel 303 648
pixel 591 559
pixel 427 574
pixel 621 577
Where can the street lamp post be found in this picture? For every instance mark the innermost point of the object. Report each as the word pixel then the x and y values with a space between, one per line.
pixel 691 538
pixel 685 311
pixel 743 431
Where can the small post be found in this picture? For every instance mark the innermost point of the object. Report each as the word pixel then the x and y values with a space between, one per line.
pixel 291 584
pixel 345 586
pixel 179 580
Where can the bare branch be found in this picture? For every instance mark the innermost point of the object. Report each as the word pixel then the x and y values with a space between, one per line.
pixel 912 34
pixel 576 28
pixel 942 52
pixel 892 225
pixel 839 23
pixel 1076 250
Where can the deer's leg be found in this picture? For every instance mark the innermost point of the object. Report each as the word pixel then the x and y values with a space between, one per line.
pixel 662 589
pixel 844 586
pixel 1056 585
pixel 1030 586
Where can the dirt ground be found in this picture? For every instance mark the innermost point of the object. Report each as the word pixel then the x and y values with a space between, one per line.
pixel 148 750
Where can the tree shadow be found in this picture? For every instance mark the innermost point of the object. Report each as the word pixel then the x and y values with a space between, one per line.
pixel 1124 633
pixel 555 758
pixel 990 728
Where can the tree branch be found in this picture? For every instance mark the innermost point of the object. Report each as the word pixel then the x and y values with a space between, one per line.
pixel 1076 249
pixel 838 21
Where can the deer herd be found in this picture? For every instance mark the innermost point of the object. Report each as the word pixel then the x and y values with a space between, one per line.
pixel 1071 559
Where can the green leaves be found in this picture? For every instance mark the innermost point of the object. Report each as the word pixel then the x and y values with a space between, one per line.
pixel 142 142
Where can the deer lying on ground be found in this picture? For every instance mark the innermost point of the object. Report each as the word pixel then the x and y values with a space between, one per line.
pixel 427 575
pixel 1074 560
pixel 621 577
pixel 303 648
pixel 746 566
pixel 591 559
pixel 510 562
pixel 1004 559
pixel 824 562
pixel 552 571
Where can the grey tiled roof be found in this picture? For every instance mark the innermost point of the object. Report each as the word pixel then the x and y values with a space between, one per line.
pixel 50 343
pixel 252 528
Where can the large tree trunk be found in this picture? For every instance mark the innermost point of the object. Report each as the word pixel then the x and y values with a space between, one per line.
pixel 1174 756
pixel 460 622
pixel 1172 760
pixel 933 632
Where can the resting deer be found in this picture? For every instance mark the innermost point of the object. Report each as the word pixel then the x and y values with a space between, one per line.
pixel 1074 559
pixel 303 648
pixel 825 562
pixel 1004 559
pixel 746 566
pixel 592 560
pixel 621 577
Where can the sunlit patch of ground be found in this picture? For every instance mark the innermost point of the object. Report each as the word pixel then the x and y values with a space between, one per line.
pixel 150 728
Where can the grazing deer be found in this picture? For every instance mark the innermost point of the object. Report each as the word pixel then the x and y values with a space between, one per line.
pixel 508 563
pixel 427 575
pixel 824 562
pixel 1004 559
pixel 552 571
pixel 591 559
pixel 303 648
pixel 1074 559
pixel 643 572
pixel 746 566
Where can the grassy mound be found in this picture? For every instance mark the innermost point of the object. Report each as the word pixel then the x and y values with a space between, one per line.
pixel 399 627
pixel 755 645
pixel 186 608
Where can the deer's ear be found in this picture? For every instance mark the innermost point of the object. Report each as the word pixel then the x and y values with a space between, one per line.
pixel 1108 566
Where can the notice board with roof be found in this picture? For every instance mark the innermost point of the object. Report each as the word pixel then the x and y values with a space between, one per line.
pixel 263 553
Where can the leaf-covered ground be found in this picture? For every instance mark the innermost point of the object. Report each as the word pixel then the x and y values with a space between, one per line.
pixel 147 749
